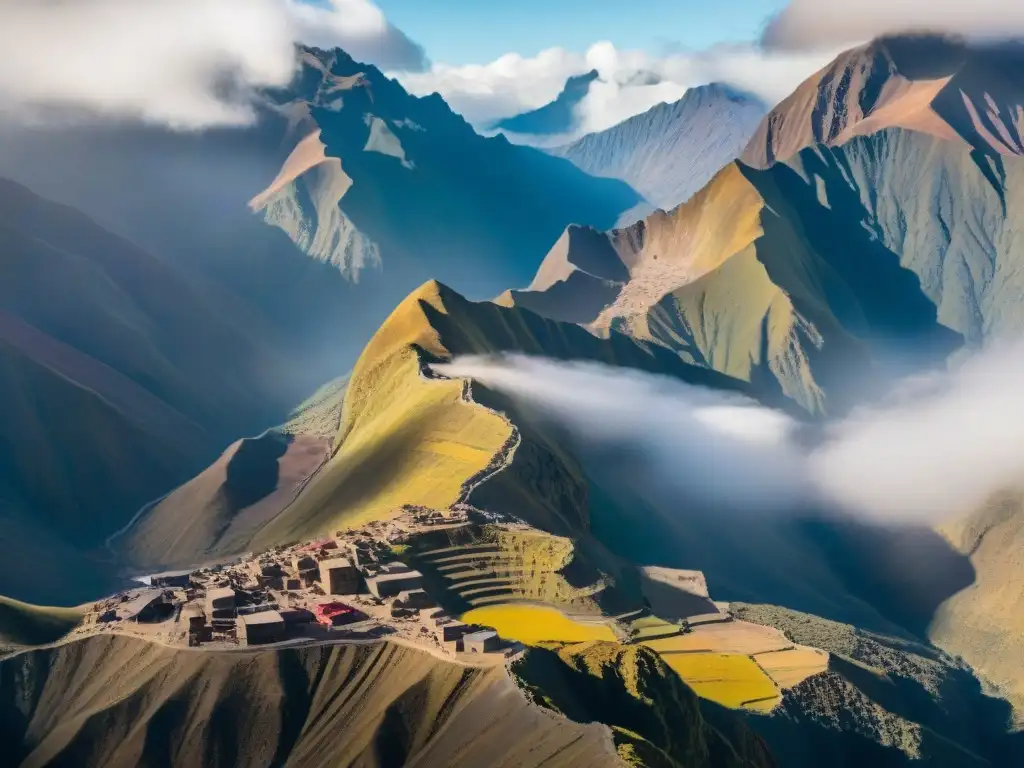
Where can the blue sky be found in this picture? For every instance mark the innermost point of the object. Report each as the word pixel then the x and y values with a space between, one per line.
pixel 479 31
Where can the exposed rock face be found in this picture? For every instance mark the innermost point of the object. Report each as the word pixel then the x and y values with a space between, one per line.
pixel 671 151
pixel 934 85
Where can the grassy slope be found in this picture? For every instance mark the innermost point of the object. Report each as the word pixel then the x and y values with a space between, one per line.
pixel 407 439
pixel 118 701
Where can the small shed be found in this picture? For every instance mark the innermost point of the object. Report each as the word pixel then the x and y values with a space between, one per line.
pixel 486 641
pixel 415 598
pixel 195 617
pixel 393 583
pixel 220 603
pixel 261 628
pixel 339 576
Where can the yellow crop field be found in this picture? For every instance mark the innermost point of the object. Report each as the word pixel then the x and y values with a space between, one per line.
pixel 688 643
pixel 791 667
pixel 731 680
pixel 534 624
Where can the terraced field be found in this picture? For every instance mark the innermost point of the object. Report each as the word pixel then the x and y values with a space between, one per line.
pixel 729 679
pixel 791 667
pixel 698 657
pixel 495 566
pixel 533 624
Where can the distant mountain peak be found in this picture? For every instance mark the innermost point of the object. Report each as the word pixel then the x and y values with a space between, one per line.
pixel 556 117
pixel 670 151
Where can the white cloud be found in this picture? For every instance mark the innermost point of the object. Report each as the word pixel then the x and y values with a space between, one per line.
pixel 184 63
pixel 806 24
pixel 507 86
pixel 360 28
pixel 514 84
pixel 941 448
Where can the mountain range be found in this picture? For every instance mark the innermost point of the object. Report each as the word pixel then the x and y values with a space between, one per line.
pixel 670 152
pixel 864 228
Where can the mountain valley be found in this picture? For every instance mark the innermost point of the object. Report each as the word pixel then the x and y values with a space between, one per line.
pixel 258 508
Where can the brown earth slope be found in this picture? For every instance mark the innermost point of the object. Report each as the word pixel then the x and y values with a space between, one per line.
pixel 939 86
pixel 115 701
pixel 985 622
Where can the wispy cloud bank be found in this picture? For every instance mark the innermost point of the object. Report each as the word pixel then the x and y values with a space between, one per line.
pixel 631 81
pixel 940 448
pixel 184 63
pixel 810 24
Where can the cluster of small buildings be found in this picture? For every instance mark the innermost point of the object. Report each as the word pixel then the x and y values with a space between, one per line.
pixel 305 591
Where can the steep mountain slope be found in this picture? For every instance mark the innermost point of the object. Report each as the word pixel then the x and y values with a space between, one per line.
pixel 984 623
pixel 907 702
pixel 112 701
pixel 655 718
pixel 749 278
pixel 121 378
pixel 22 624
pixel 943 87
pixel 861 235
pixel 556 117
pixel 369 192
pixel 408 439
pixel 671 151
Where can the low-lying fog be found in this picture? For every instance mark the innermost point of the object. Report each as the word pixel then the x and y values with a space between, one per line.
pixel 939 445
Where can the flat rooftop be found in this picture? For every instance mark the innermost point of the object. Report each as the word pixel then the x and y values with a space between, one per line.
pixel 485 634
pixel 263 617
pixel 410 574
pixel 336 562
pixel 218 594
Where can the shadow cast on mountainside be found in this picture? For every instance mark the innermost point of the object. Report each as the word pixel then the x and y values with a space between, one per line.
pixel 861 281
pixel 254 470
pixel 904 572
pixel 889 580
